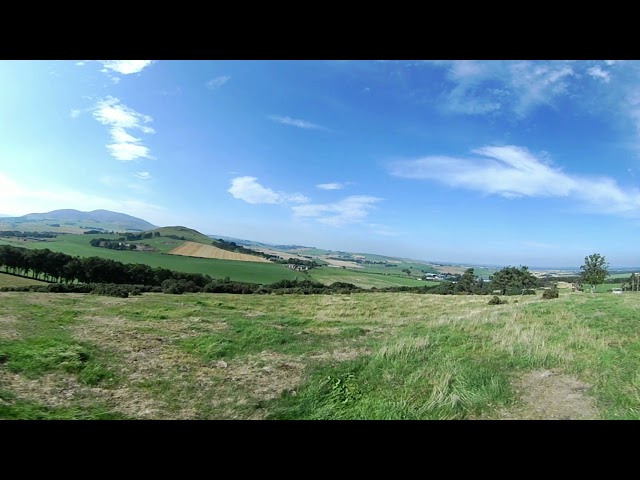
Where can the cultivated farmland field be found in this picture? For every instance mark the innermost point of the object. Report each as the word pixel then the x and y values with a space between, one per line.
pixel 252 272
pixel 328 275
pixel 193 249
pixel 358 356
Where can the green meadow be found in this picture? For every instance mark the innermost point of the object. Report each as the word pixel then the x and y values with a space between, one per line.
pixel 253 272
pixel 328 275
pixel 358 356
pixel 239 271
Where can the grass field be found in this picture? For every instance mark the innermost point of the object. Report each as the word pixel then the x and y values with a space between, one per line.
pixel 193 249
pixel 238 271
pixel 188 234
pixel 254 272
pixel 623 276
pixel 359 356
pixel 7 280
pixel 328 275
pixel 605 287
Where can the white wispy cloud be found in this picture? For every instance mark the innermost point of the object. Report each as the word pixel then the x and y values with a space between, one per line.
pixel 249 190
pixel 487 87
pixel 79 64
pixel 331 186
pixel 597 72
pixel 76 112
pixel 120 118
pixel 353 209
pixel 511 172
pixel 217 82
pixel 125 67
pixel 537 84
pixel 143 175
pixel 295 122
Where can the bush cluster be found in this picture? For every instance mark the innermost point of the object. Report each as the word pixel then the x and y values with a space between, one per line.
pixel 551 293
pixel 496 301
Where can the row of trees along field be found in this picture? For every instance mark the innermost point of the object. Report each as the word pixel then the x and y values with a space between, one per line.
pixel 18 234
pixel 234 247
pixel 111 244
pixel 55 266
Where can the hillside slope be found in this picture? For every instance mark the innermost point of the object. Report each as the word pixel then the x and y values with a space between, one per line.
pixel 97 218
pixel 183 233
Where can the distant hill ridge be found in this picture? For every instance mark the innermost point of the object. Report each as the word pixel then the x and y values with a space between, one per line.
pixel 95 216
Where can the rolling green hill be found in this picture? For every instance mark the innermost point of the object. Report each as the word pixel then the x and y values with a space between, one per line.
pixel 75 221
pixel 189 234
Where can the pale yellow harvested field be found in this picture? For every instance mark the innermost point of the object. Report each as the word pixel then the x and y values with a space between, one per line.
pixel 193 249
pixel 340 263
pixel 285 255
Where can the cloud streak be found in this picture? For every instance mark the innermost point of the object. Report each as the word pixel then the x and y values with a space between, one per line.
pixel 511 172
pixel 352 209
pixel 249 190
pixel 217 82
pixel 598 73
pixel 331 186
pixel 124 67
pixel 487 87
pixel 119 118
pixel 295 122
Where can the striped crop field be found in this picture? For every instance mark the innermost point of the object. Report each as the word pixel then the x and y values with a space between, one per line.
pixel 193 249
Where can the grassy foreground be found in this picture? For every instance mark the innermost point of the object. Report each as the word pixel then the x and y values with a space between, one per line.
pixel 359 356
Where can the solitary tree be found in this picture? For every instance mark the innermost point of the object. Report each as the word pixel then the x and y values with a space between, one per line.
pixel 594 270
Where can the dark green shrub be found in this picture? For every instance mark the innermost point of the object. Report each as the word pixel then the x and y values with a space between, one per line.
pixel 172 286
pixel 496 301
pixel 551 293
pixel 111 290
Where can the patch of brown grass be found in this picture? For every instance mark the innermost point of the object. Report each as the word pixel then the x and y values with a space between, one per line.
pixel 8 329
pixel 551 395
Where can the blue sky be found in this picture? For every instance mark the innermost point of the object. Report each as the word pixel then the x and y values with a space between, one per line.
pixel 490 162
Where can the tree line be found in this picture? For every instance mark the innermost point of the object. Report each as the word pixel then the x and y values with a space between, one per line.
pixel 298 261
pixel 18 234
pixel 60 267
pixel 234 247
pixel 111 244
pixel 43 264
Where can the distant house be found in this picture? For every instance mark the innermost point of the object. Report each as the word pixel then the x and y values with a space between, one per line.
pixel 298 268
